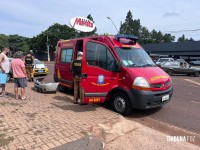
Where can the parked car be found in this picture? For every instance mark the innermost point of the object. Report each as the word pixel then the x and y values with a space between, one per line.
pixel 39 68
pixel 195 63
pixel 161 60
pixel 180 60
pixel 176 67
pixel 10 74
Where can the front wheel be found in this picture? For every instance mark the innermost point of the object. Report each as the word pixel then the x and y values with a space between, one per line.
pixel 121 103
pixel 170 72
pixel 196 74
pixel 61 88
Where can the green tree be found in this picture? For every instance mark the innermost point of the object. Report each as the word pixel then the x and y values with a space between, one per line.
pixel 134 27
pixel 182 38
pixel 3 41
pixel 53 34
pixel 144 35
pixel 167 38
pixel 18 43
pixel 130 26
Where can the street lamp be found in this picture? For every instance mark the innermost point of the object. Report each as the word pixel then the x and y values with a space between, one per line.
pixel 113 24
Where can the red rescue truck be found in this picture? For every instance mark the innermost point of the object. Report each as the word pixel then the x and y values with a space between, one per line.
pixel 114 68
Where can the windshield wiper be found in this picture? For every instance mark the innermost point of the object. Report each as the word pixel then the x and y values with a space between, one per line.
pixel 148 65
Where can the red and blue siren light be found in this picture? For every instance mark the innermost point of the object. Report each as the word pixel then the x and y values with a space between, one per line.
pixel 126 39
pixel 130 37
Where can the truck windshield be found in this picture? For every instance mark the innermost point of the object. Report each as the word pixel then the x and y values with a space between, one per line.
pixel 134 57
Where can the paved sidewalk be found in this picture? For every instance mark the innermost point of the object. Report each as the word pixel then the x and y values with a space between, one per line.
pixel 45 121
pixel 52 121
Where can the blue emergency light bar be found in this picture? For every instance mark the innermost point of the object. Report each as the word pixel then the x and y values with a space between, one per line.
pixel 131 37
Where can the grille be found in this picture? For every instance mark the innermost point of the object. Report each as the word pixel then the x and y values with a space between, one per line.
pixel 160 85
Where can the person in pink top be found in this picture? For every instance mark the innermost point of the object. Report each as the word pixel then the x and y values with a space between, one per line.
pixel 19 75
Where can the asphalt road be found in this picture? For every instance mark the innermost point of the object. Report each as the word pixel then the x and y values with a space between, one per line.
pixel 181 116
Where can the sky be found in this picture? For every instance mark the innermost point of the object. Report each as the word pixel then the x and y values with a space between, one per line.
pixel 30 17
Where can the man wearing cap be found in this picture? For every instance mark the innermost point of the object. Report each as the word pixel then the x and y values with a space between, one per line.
pixel 76 67
pixel 29 66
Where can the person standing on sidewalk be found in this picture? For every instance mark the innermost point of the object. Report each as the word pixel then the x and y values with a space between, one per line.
pixel 5 68
pixel 29 66
pixel 76 67
pixel 19 74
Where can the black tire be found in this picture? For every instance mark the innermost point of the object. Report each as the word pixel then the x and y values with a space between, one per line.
pixel 196 74
pixel 170 72
pixel 121 103
pixel 61 88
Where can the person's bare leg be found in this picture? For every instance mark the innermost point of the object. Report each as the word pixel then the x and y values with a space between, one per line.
pixel 3 89
pixel 16 92
pixel 23 93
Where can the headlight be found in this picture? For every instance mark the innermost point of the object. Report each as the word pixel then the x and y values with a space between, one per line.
pixel 141 82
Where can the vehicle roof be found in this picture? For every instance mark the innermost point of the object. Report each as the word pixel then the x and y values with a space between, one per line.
pixel 105 39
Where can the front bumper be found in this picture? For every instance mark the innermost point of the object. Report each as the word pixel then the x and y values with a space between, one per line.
pixel 141 99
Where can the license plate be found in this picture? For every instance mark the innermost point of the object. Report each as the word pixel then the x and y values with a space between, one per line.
pixel 40 70
pixel 166 97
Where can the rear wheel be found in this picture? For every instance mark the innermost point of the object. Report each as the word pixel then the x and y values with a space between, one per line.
pixel 170 72
pixel 61 88
pixel 196 74
pixel 121 103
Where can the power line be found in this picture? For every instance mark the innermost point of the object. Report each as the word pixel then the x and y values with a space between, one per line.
pixel 183 31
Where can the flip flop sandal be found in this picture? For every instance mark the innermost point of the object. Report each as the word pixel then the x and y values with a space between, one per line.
pixel 24 98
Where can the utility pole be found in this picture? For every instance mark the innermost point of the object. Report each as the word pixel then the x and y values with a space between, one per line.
pixel 48 48
pixel 113 24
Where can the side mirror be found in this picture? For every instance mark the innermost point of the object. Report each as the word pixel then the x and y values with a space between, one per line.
pixel 119 66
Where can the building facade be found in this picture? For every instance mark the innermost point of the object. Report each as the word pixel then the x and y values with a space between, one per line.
pixel 181 50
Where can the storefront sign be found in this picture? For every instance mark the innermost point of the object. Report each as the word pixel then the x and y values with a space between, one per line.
pixel 82 24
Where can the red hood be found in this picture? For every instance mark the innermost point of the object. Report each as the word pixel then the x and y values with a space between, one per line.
pixel 151 74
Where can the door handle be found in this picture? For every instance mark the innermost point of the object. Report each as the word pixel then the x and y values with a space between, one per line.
pixel 84 75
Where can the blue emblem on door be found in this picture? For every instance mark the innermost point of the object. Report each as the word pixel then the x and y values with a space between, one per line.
pixel 100 79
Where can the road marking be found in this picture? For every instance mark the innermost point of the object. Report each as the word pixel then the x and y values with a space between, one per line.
pixel 197 83
pixel 195 102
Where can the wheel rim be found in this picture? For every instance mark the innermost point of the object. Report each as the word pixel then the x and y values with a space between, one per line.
pixel 120 104
pixel 196 74
pixel 61 87
pixel 170 72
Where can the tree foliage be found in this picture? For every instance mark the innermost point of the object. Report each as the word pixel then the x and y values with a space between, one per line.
pixel 57 31
pixel 15 42
pixel 183 39
pixel 131 26
pixel 51 36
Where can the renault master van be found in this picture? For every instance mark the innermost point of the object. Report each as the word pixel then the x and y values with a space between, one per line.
pixel 115 69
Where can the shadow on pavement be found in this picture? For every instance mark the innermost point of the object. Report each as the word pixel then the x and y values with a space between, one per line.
pixel 135 113
pixel 66 103
pixel 74 107
pixel 63 98
pixel 143 113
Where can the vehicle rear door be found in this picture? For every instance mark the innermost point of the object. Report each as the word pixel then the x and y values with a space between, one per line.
pixel 64 73
pixel 99 71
